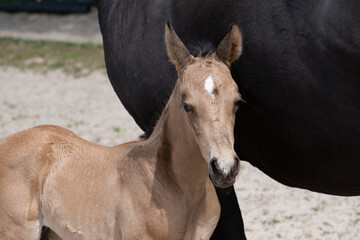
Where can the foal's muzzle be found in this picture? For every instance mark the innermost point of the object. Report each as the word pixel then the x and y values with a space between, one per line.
pixel 219 176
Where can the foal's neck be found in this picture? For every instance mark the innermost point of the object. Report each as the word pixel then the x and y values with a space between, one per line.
pixel 183 157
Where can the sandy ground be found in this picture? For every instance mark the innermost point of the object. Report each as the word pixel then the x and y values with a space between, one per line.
pixel 89 107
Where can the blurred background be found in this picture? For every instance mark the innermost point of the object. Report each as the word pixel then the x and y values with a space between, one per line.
pixel 58 6
pixel 52 71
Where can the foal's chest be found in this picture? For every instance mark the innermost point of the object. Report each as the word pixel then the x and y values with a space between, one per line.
pixel 155 216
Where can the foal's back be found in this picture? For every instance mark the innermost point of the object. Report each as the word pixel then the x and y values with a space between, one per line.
pixel 33 192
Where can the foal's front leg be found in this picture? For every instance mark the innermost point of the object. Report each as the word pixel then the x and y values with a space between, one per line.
pixel 206 217
pixel 19 214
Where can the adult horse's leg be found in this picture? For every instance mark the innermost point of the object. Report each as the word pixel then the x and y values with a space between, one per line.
pixel 48 234
pixel 230 225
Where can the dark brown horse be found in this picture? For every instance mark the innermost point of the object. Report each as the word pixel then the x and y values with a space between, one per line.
pixel 299 73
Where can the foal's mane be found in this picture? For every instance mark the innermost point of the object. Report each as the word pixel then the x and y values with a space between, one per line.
pixel 201 48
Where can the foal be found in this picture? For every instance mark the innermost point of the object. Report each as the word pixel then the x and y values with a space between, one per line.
pixel 153 189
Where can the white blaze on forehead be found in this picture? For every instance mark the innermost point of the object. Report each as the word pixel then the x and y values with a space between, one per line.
pixel 209 86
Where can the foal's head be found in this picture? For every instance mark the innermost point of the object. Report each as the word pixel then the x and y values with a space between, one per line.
pixel 210 98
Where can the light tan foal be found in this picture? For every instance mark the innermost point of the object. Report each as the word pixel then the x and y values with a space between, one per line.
pixel 153 189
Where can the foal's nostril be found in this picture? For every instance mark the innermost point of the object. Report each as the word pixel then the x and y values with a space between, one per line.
pixel 214 166
pixel 235 169
pixel 237 161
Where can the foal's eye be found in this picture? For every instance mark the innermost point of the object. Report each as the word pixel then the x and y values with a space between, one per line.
pixel 187 108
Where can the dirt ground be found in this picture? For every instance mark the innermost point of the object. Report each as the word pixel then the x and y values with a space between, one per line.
pixel 89 107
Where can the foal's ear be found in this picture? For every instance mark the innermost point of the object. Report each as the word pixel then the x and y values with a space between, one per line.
pixel 230 48
pixel 177 51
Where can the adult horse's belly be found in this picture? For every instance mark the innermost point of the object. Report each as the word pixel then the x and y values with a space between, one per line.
pixel 321 155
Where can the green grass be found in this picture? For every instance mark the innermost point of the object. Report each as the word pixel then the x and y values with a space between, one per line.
pixel 319 207
pixel 77 59
pixel 117 129
pixel 273 221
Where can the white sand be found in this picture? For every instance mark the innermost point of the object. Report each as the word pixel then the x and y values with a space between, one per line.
pixel 274 211
pixel 89 107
